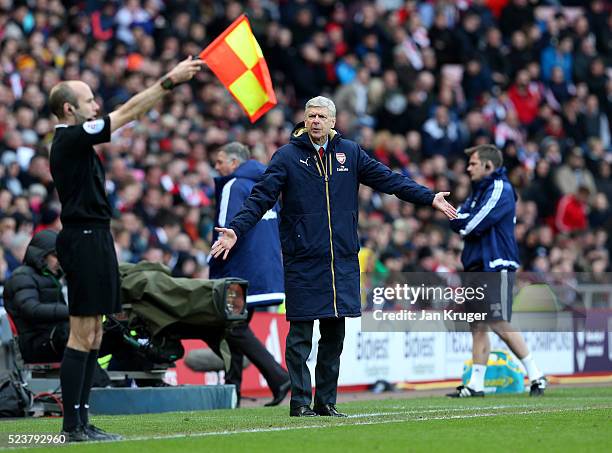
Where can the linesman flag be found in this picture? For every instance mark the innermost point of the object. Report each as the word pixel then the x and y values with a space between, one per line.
pixel 236 59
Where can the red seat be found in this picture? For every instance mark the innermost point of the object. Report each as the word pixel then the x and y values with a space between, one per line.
pixel 36 366
pixel 12 324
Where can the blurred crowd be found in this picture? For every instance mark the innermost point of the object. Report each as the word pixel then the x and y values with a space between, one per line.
pixel 415 83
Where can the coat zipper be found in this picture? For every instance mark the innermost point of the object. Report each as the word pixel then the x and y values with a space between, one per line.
pixel 47 273
pixel 331 241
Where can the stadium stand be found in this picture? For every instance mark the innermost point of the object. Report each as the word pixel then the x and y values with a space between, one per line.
pixel 415 83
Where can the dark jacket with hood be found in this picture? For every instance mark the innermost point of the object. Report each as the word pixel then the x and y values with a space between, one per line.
pixel 257 258
pixel 319 217
pixel 33 297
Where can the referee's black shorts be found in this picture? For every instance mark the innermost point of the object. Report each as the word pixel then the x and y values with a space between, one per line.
pixel 87 256
pixel 497 288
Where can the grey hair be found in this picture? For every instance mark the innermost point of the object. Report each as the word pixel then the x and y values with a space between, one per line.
pixel 322 101
pixel 237 151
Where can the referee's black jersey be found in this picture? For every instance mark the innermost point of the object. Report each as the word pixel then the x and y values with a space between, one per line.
pixel 78 172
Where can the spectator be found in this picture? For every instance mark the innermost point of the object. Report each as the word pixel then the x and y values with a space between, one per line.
pixel 542 190
pixel 596 122
pixel 476 81
pixel 582 59
pixel 559 55
pixel 573 122
pixel 516 13
pixel 352 98
pixel 603 179
pixel 393 110
pixel 573 174
pixel 572 209
pixel 560 89
pixel 525 97
pixel 496 55
pixel 441 135
pixel 444 40
pixel 600 211
pixel 509 130
pixel 34 299
pixel 597 80
pixel 520 53
pixel 469 35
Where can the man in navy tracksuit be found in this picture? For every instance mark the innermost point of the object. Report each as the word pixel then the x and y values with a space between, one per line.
pixel 256 259
pixel 318 174
pixel 486 223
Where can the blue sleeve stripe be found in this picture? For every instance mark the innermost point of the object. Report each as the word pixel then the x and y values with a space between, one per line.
pixel 225 196
pixel 498 187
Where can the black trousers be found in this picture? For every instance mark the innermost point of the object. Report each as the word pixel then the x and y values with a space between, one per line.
pixel 243 342
pixel 299 344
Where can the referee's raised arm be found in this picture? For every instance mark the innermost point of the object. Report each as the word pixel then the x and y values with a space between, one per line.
pixel 141 103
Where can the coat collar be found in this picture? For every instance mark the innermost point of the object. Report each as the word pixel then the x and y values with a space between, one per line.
pixel 300 137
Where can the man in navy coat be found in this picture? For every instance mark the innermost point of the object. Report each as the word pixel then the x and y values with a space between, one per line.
pixel 318 174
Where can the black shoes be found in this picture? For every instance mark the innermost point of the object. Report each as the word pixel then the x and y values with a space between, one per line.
pixel 77 434
pixel 280 395
pixel 87 433
pixel 538 386
pixel 96 433
pixel 302 411
pixel 328 410
pixel 463 391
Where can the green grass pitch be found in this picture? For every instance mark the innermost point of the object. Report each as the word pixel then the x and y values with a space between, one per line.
pixel 567 419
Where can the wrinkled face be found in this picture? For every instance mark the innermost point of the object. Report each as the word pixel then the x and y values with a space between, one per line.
pixel 319 123
pixel 476 168
pixel 86 109
pixel 224 164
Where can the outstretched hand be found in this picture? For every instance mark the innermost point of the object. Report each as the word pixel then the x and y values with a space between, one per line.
pixel 440 203
pixel 224 243
pixel 185 70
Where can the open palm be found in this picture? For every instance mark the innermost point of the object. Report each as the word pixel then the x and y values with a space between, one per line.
pixel 224 243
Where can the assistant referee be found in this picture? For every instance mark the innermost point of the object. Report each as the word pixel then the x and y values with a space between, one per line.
pixel 85 246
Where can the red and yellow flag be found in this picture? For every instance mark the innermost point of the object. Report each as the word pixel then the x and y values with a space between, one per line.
pixel 236 59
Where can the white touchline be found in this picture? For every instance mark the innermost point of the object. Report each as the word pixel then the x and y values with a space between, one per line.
pixel 412 410
pixel 440 409
pixel 372 422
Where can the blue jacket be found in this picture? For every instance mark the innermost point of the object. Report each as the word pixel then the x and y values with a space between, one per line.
pixel 319 219
pixel 486 223
pixel 551 58
pixel 257 258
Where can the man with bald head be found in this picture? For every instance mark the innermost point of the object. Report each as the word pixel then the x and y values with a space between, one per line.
pixel 85 246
